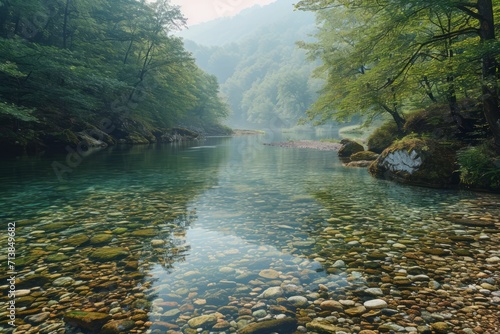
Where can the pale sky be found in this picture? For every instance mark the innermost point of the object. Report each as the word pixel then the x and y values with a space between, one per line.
pixel 198 11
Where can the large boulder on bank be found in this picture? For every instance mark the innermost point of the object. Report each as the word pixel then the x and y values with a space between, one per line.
pixel 349 147
pixel 416 161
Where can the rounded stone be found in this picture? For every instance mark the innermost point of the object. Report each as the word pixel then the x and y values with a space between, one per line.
pixel 375 304
pixel 99 239
pixel 259 314
pixel 272 292
pixel 109 254
pixel 118 326
pixel 331 305
pixel 355 311
pixel 63 281
pixel 374 292
pixel 440 327
pixel 269 273
pixel 204 321
pixel 298 301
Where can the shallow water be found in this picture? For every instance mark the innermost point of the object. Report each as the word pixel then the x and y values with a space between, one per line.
pixel 214 214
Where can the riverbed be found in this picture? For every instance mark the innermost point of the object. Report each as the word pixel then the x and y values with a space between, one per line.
pixel 229 234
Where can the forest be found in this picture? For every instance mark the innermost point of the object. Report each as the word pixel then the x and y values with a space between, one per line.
pixel 99 72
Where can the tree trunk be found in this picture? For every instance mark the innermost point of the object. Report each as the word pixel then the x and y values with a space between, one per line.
pixel 65 33
pixel 491 108
pixel 398 119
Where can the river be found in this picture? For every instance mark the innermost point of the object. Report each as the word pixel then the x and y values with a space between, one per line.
pixel 217 234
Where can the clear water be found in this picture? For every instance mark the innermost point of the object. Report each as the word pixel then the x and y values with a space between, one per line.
pixel 223 209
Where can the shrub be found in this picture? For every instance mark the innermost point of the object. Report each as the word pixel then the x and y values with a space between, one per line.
pixel 383 137
pixel 479 167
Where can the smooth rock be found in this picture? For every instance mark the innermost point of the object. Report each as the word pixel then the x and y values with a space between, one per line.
pixel 99 239
pixel 269 273
pixel 374 292
pixel 324 327
pixel 440 327
pixel 282 326
pixel 332 305
pixel 355 311
pixel 272 293
pixel 109 254
pixel 298 301
pixel 117 327
pixel 204 321
pixel 375 304
pixel 92 321
pixel 63 281
pixel 37 318
pixel 22 293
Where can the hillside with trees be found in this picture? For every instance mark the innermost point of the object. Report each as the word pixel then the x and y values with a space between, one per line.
pixel 74 71
pixel 263 74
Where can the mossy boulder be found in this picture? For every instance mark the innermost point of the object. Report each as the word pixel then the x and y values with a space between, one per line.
pixel 109 254
pixel 418 161
pixel 91 321
pixel 349 147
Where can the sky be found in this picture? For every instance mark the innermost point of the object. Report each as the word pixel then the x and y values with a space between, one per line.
pixel 198 11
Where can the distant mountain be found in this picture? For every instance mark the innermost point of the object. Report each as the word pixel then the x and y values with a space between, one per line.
pixel 263 74
pixel 232 29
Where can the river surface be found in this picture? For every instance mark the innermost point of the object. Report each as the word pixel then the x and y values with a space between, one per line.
pixel 238 231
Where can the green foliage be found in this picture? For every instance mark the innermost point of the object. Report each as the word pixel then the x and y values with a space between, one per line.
pixel 71 64
pixel 16 113
pixel 479 167
pixel 383 137
pixel 388 56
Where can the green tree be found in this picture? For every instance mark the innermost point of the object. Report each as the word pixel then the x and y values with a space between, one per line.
pixel 407 46
pixel 67 64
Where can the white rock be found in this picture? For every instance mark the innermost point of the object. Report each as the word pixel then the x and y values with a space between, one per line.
pixel 375 304
pixel 298 301
pixel 374 291
pixel 22 293
pixel 339 264
pixel 63 281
